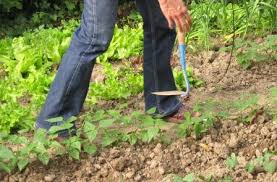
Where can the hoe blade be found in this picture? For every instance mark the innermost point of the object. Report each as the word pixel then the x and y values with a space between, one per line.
pixel 168 93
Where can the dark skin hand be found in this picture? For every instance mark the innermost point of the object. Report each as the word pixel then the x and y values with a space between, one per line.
pixel 176 14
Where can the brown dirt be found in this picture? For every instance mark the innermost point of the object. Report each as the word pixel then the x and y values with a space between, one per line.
pixel 158 161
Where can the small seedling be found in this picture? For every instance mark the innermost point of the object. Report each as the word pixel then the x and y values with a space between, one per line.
pixel 232 161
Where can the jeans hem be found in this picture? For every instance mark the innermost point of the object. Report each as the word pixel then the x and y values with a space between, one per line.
pixel 175 109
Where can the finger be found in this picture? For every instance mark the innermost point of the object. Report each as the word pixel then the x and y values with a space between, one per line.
pixel 186 26
pixel 187 23
pixel 170 21
pixel 188 19
pixel 180 23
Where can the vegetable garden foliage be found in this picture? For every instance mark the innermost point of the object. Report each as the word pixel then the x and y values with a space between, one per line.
pixel 43 146
pixel 248 52
pixel 28 64
pixel 214 18
pixel 108 126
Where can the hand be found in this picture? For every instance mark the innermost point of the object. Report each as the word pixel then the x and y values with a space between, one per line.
pixel 176 14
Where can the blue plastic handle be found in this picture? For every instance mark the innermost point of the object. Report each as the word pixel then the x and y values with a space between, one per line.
pixel 182 50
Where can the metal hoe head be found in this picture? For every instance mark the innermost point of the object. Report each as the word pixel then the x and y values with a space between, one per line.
pixel 182 50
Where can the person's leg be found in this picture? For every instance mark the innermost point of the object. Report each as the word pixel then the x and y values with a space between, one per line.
pixel 69 89
pixel 158 44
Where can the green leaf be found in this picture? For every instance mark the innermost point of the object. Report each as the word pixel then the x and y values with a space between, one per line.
pixel 183 129
pixel 89 148
pixel 270 166
pixel 75 145
pixel 132 138
pixel 40 135
pixel 114 113
pixel 55 120
pixel 123 137
pixel 3 135
pixel 273 92
pixel 71 119
pixel 189 178
pixel 90 131
pixel 5 167
pixel 226 179
pixel 177 178
pixel 259 161
pixel 108 140
pixel 44 158
pixel 106 123
pixel 152 132
pixel 64 126
pixel 151 111
pixel 99 115
pixel 16 139
pixel 74 153
pixel 232 161
pixel 39 147
pixel 148 121
pixel 5 153
pixel 136 115
pixel 188 117
pixel 22 163
pixel 250 167
pixel 23 131
pixel 59 149
pixel 198 128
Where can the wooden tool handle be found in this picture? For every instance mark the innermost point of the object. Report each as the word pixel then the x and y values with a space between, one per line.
pixel 181 37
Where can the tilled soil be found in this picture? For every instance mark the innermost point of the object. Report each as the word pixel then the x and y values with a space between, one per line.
pixel 205 157
pixel 211 67
pixel 160 162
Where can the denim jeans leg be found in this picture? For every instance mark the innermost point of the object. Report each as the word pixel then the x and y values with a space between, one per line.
pixel 69 89
pixel 158 44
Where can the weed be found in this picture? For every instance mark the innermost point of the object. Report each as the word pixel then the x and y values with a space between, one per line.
pixel 264 162
pixel 232 161
pixel 101 125
pixel 188 178
pixel 198 125
pixel 249 52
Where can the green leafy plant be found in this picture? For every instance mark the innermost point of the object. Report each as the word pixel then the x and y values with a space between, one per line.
pixel 246 102
pixel 264 161
pixel 43 145
pixel 180 81
pixel 226 179
pixel 232 161
pixel 198 125
pixel 7 5
pixel 188 178
pixel 29 62
pixel 126 42
pixel 249 52
pixel 119 83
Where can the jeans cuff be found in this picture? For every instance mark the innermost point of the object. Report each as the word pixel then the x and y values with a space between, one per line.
pixel 172 111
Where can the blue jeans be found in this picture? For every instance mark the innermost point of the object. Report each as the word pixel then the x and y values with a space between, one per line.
pixel 69 89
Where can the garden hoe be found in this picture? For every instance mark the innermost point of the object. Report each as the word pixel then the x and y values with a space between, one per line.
pixel 182 50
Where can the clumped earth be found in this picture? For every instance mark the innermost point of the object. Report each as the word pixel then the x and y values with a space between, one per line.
pixel 161 161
